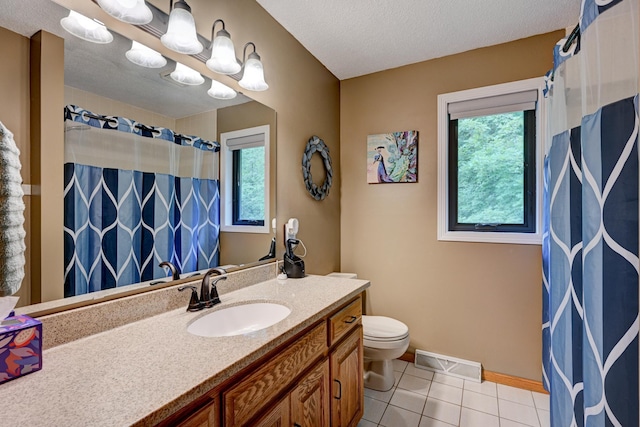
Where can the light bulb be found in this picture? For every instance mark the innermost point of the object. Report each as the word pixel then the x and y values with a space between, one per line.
pixel 181 34
pixel 129 11
pixel 185 75
pixel 86 28
pixel 221 91
pixel 223 55
pixel 144 56
pixel 253 76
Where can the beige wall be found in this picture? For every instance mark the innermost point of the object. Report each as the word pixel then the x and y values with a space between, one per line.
pixel 203 125
pixel 46 159
pixel 240 248
pixel 470 300
pixel 109 107
pixel 14 114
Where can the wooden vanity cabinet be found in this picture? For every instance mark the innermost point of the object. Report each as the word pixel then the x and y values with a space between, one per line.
pixel 252 394
pixel 347 403
pixel 278 416
pixel 208 416
pixel 310 399
pixel 314 380
pixel 307 405
pixel 204 412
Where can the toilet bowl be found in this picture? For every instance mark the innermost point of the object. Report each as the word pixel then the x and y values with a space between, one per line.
pixel 385 339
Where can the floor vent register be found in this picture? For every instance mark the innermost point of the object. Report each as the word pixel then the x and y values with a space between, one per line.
pixel 448 365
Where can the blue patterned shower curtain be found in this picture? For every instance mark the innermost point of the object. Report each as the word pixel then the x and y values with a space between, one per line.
pixel 590 243
pixel 135 196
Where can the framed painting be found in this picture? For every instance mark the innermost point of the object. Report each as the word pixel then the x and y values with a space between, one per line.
pixel 392 157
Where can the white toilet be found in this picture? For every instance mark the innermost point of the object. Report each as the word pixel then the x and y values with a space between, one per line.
pixel 385 339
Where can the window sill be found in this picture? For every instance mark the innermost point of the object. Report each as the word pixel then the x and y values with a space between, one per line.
pixel 258 229
pixel 490 237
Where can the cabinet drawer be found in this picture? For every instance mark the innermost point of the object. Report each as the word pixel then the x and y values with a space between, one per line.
pixel 344 320
pixel 245 399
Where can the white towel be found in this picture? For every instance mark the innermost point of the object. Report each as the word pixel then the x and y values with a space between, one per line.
pixel 12 232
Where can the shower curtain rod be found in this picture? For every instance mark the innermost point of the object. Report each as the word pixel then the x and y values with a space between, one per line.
pixel 157 132
pixel 115 121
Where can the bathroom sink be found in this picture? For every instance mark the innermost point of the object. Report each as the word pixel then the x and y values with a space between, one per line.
pixel 239 319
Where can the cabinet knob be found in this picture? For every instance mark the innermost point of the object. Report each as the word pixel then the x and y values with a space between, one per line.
pixel 339 390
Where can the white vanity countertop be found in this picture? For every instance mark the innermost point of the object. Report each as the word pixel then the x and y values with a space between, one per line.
pixel 142 372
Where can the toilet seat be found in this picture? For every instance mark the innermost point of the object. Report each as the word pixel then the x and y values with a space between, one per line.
pixel 382 332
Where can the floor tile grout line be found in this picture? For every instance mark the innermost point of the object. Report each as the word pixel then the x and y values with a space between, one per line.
pixel 396 406
pixel 445 401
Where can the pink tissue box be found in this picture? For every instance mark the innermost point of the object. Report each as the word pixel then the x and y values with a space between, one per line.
pixel 20 347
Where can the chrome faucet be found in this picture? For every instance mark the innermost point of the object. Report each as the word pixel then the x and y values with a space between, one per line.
pixel 174 271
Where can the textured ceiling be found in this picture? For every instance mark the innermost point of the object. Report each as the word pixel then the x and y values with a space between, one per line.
pixel 105 71
pixel 357 37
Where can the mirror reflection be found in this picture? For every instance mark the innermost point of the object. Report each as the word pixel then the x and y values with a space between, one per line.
pixel 142 167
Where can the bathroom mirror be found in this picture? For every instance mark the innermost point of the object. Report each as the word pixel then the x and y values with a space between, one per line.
pixel 99 78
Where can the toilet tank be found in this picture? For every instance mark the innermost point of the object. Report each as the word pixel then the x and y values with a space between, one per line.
pixel 343 275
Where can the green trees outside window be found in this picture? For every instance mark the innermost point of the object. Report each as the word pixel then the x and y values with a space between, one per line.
pixel 249 185
pixel 491 169
pixel 492 172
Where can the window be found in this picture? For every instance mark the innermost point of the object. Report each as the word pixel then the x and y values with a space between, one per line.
pixel 489 171
pixel 248 186
pixel 245 180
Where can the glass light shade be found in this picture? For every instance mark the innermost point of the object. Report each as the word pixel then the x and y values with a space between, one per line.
pixel 181 34
pixel 86 28
pixel 185 75
pixel 223 55
pixel 144 56
pixel 221 91
pixel 129 11
pixel 253 77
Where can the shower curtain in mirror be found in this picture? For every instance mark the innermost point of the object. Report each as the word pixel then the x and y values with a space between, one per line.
pixel 134 196
pixel 590 245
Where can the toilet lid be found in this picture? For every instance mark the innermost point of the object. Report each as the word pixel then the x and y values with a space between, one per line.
pixel 380 328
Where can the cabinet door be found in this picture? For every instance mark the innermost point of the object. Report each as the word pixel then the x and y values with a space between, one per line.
pixel 205 417
pixel 276 417
pixel 347 400
pixel 310 399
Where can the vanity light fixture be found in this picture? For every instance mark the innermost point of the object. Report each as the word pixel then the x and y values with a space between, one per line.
pixel 144 56
pixel 253 76
pixel 187 76
pixel 223 54
pixel 221 91
pixel 130 11
pixel 85 28
pixel 181 33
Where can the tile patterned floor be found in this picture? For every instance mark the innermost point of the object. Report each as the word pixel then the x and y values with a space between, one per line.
pixel 421 399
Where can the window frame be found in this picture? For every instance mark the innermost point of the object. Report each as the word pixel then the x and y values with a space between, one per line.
pixel 444 168
pixel 227 180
